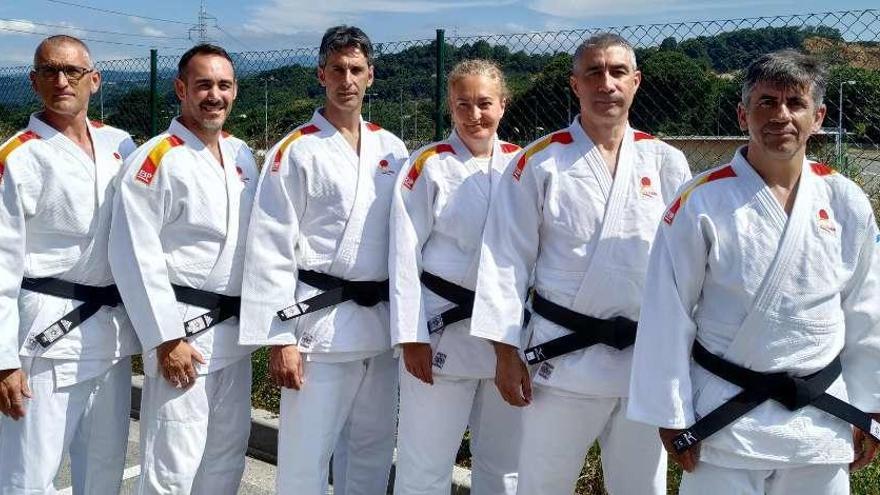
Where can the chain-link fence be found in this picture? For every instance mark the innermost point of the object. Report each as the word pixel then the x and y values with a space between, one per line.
pixel 691 79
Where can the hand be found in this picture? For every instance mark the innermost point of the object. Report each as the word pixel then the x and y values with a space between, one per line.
pixel 687 459
pixel 865 447
pixel 512 376
pixel 417 358
pixel 286 367
pixel 176 362
pixel 13 390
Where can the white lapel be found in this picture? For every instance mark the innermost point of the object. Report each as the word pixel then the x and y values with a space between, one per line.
pixel 64 144
pixel 464 155
pixel 196 145
pixel 617 194
pixel 366 163
pixel 343 149
pixel 108 161
pixel 485 181
pixel 755 325
pixel 225 173
pixel 218 278
pixel 591 156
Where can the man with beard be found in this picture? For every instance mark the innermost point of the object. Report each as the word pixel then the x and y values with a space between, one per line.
pixel 315 284
pixel 176 249
pixel 65 342
pixel 578 211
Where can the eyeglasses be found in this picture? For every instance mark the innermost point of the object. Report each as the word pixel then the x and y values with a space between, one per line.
pixel 73 73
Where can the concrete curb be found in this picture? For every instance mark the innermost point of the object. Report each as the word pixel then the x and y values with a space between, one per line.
pixel 263 442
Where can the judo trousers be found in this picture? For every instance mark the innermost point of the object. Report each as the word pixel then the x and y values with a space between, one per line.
pixel 194 440
pixel 359 397
pixel 558 431
pixel 89 419
pixel 432 421
pixel 819 479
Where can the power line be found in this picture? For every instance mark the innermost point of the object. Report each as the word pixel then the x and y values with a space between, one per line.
pixel 32 33
pixel 95 30
pixel 201 28
pixel 116 12
pixel 233 38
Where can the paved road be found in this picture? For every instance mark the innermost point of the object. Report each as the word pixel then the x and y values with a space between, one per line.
pixel 259 477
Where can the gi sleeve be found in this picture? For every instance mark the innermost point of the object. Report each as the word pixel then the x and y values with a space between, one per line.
pixel 137 258
pixel 660 391
pixel 12 260
pixel 508 253
pixel 861 308
pixel 412 220
pixel 270 265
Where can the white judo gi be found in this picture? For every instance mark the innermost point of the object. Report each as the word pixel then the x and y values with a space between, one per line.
pixel 558 212
pixel 181 218
pixel 437 218
pixel 770 292
pixel 322 206
pixel 55 205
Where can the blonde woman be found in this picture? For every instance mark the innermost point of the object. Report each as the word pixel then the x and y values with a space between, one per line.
pixel 446 377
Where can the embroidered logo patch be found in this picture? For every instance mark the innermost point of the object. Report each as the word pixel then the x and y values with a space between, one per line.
pixel 241 175
pixel 545 370
pixel 439 360
pixel 825 223
pixel 647 189
pixel 306 340
pixel 384 169
pixel 117 156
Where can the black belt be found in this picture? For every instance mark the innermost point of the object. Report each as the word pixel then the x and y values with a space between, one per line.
pixel 463 299
pixel 618 332
pixel 93 298
pixel 790 391
pixel 220 307
pixel 336 291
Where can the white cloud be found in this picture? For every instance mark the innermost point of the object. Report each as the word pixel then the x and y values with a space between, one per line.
pixel 151 31
pixel 24 27
pixel 289 16
pixel 17 28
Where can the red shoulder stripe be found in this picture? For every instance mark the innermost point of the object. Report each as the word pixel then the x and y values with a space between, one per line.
pixel 639 136
pixel 821 169
pixel 721 173
pixel 509 148
pixel 561 137
pixel 302 131
pixel 11 146
pixel 423 157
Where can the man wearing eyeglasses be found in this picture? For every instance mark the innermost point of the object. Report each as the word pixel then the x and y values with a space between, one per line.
pixel 65 341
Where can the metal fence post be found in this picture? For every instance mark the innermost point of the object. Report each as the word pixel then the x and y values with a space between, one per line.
pixel 439 86
pixel 154 95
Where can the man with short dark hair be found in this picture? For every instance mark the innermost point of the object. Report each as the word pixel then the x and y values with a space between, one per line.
pixel 766 275
pixel 176 249
pixel 65 341
pixel 577 212
pixel 316 282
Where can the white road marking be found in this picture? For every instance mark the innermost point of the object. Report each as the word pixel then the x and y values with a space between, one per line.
pixel 127 474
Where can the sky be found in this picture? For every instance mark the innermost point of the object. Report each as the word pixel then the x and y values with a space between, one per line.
pixel 126 29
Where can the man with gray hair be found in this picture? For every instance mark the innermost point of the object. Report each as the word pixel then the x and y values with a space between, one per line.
pixel 758 350
pixel 577 210
pixel 316 282
pixel 65 341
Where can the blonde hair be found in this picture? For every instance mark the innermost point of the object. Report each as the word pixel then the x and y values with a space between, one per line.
pixel 477 67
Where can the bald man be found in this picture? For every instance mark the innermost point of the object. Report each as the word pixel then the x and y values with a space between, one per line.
pixel 65 342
